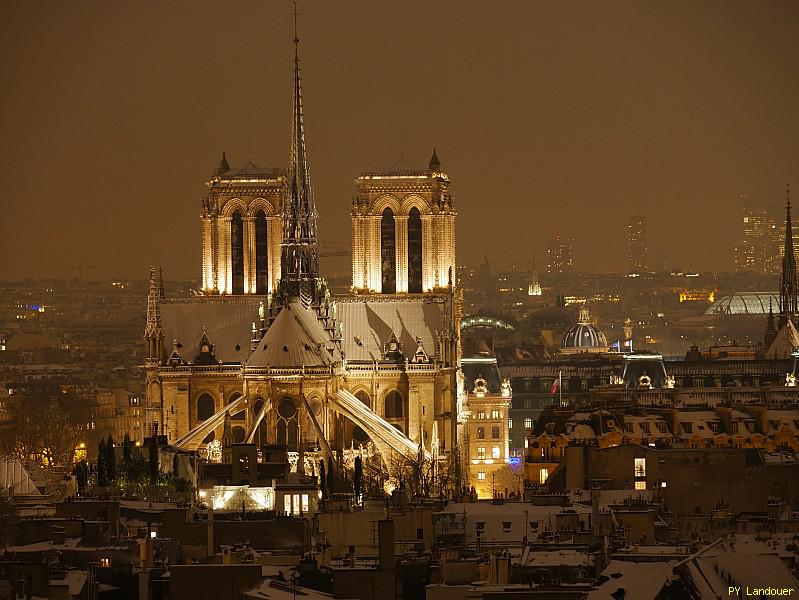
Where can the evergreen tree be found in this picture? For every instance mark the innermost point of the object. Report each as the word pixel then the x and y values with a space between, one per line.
pixel 110 459
pixel 127 454
pixel 357 478
pixel 153 458
pixel 102 474
pixel 81 477
pixel 330 477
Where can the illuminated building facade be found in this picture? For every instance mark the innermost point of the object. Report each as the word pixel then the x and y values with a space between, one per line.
pixel 637 244
pixel 268 356
pixel 242 229
pixel 560 255
pixel 403 231
pixel 487 434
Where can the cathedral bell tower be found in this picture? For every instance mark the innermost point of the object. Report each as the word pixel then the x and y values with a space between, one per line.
pixel 403 231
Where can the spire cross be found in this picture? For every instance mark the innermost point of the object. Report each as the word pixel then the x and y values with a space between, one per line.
pixel 295 13
pixel 788 194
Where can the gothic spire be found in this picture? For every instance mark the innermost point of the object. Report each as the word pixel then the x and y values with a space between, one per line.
pixel 153 332
pixel 788 287
pixel 299 260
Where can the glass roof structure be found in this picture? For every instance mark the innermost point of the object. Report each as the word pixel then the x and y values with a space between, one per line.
pixel 745 303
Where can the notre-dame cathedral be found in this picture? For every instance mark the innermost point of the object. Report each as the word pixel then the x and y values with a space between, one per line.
pixel 265 354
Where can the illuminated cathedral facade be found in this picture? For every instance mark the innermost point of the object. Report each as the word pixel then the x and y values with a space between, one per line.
pixel 266 354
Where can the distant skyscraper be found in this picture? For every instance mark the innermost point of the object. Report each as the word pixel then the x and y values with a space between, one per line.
pixel 636 238
pixel 560 255
pixel 762 245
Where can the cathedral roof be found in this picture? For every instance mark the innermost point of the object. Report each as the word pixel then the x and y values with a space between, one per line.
pixel 785 343
pixel 227 323
pixel 295 338
pixel 368 323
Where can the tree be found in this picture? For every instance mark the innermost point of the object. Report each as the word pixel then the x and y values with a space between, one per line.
pixel 322 479
pixel 330 477
pixel 44 429
pixel 81 477
pixel 357 478
pixel 102 472
pixel 110 459
pixel 127 450
pixel 153 458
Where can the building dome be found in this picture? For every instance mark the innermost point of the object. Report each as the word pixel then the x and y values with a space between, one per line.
pixel 584 337
pixel 745 303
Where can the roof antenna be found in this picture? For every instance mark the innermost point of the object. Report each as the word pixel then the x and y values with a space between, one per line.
pixel 296 36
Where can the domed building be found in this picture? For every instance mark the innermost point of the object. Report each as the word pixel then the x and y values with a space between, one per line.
pixel 584 337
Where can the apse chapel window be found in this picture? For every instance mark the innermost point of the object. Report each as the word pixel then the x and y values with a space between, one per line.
pixel 481 453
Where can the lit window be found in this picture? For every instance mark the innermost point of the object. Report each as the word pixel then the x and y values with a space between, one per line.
pixel 526 443
pixel 305 503
pixel 481 433
pixel 662 484
pixel 495 415
pixel 495 452
pixel 543 475
pixel 640 485
pixel 481 475
pixel 510 423
pixel 528 423
pixel 287 504
pixel 640 467
pixel 481 453
pixel 296 504
pixel 481 415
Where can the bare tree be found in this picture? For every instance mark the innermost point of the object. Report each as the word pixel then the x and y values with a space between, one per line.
pixel 46 430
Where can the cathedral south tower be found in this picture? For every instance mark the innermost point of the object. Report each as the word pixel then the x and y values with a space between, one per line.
pixel 403 231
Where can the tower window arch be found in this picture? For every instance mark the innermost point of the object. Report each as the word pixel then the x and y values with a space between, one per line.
pixel 414 251
pixel 388 252
pixel 261 253
pixel 393 405
pixel 237 252
pixel 205 407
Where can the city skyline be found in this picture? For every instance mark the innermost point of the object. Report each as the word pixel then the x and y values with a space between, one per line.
pixel 573 142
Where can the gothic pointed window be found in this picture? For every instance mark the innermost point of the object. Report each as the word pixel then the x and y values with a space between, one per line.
pixel 388 252
pixel 414 251
pixel 393 405
pixel 261 254
pixel 237 252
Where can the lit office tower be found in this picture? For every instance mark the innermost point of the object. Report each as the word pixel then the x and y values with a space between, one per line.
pixel 636 238
pixel 757 250
pixel 560 255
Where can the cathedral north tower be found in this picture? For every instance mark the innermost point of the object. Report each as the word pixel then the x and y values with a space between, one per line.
pixel 242 229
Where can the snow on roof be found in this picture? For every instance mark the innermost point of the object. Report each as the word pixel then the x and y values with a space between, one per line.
pixel 295 338
pixel 274 589
pixel 556 558
pixel 369 321
pixel 638 580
